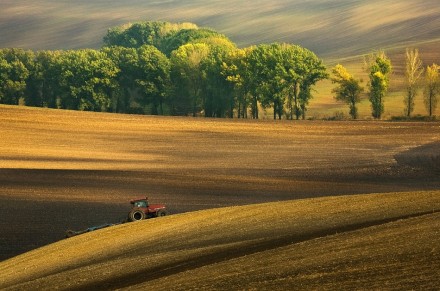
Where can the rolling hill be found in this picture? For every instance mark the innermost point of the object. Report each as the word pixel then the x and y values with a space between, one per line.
pixel 72 170
pixel 329 28
pixel 386 241
pixel 256 204
pixel 64 169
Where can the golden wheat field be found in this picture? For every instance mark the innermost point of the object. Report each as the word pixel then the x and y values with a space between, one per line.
pixel 275 202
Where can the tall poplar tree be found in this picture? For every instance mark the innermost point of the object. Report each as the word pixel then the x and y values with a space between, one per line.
pixel 432 88
pixel 413 72
pixel 378 67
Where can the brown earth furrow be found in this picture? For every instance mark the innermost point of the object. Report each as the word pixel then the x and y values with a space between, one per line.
pixel 242 249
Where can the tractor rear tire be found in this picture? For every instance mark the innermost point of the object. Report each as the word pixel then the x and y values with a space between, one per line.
pixel 161 212
pixel 136 215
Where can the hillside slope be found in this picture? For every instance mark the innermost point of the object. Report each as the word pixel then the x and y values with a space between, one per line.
pixel 72 170
pixel 215 247
pixel 330 28
pixel 399 255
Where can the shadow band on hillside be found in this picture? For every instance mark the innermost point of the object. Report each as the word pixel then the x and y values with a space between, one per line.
pixel 49 192
pixel 425 157
pixel 232 252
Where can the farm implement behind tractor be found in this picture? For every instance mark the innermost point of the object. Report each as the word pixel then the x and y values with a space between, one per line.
pixel 140 210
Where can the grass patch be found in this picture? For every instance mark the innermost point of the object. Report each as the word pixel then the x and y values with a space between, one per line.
pixel 414 118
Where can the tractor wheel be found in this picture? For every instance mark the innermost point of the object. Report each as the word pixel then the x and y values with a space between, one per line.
pixel 161 212
pixel 136 214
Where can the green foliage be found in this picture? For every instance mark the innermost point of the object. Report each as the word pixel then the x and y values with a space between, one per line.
pixel 153 77
pixel 126 59
pixel 269 85
pixel 186 36
pixel 87 79
pixel 312 70
pixel 187 77
pixel 218 93
pixel 205 74
pixel 282 70
pixel 348 89
pixel 379 68
pixel 417 117
pixel 15 68
pixel 237 70
pixel 143 33
pixel 165 36
pixel 43 87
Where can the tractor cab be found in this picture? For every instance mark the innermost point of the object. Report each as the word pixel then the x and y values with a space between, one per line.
pixel 140 203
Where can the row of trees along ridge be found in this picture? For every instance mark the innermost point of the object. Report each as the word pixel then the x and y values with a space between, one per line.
pixel 179 69
pixel 378 67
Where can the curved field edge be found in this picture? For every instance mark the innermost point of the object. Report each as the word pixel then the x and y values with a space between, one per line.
pixel 132 254
pixel 400 255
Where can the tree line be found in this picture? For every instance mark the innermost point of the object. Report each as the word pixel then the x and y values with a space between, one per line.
pixel 181 69
pixel 378 67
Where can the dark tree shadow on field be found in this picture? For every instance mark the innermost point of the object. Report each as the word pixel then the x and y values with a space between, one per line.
pixel 425 158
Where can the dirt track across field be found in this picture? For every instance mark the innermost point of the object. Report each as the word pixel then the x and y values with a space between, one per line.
pixel 64 170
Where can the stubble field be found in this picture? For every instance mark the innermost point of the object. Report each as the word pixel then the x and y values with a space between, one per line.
pixel 64 169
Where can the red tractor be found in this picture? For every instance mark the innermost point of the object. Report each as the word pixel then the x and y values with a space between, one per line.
pixel 143 210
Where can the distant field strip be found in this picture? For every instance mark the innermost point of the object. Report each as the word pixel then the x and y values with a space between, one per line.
pixel 342 28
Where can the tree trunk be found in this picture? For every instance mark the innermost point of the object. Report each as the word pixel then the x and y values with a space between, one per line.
pixel 295 99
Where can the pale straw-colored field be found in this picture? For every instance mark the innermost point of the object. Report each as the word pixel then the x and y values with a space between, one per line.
pixel 329 28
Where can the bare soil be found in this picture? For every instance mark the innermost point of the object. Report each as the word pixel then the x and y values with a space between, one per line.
pixel 341 241
pixel 64 170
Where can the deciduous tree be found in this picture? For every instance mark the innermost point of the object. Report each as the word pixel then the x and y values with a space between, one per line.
pixel 87 78
pixel 348 89
pixel 237 71
pixel 378 67
pixel 185 36
pixel 15 68
pixel 218 91
pixel 282 70
pixel 266 62
pixel 186 74
pixel 432 88
pixel 312 70
pixel 153 77
pixel 124 95
pixel 414 69
pixel 135 35
pixel 43 86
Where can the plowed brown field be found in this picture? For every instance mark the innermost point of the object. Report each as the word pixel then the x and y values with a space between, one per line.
pixel 64 169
